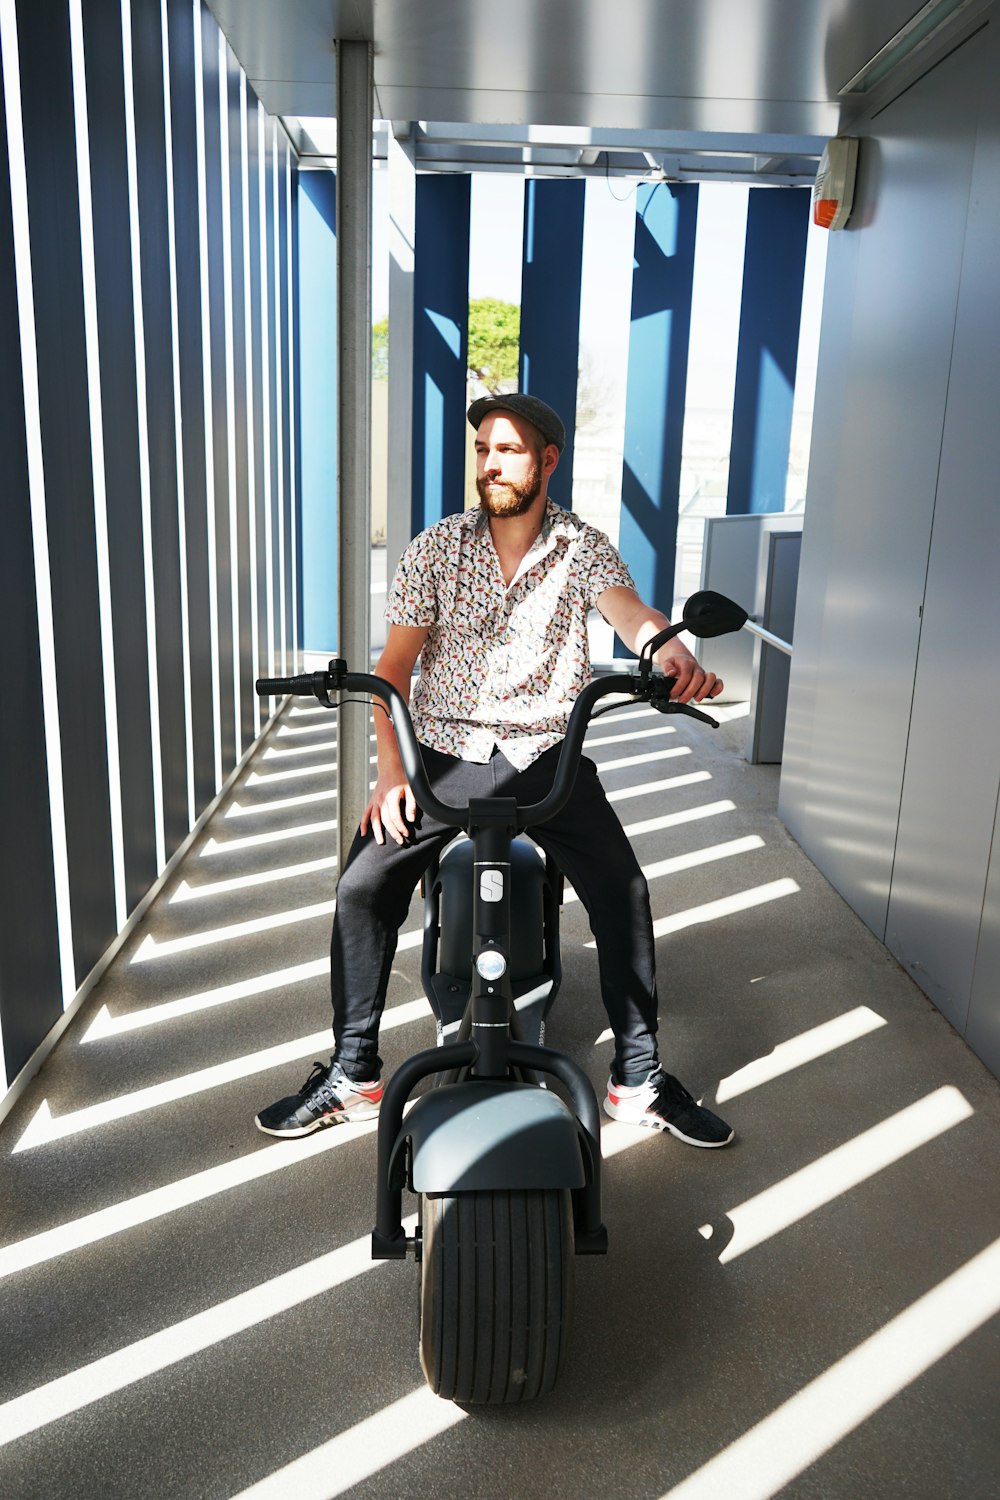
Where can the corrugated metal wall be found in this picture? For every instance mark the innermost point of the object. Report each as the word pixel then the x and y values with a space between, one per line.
pixel 892 767
pixel 149 558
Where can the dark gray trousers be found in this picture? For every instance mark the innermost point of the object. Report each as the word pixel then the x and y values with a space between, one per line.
pixel 588 844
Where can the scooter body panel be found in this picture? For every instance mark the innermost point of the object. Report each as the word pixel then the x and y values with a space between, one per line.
pixel 535 968
pixel 481 1135
pixel 455 882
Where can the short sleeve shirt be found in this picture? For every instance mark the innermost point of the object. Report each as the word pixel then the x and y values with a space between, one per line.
pixel 502 665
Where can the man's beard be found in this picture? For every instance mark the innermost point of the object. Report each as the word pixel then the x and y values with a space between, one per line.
pixel 505 499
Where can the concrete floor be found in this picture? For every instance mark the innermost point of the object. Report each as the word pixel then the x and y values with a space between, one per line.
pixel 189 1308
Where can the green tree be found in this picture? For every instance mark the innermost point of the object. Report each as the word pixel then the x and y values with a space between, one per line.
pixel 494 338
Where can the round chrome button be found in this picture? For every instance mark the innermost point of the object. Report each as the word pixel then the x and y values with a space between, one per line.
pixel 490 964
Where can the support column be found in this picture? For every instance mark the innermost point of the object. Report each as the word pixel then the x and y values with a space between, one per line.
pixel 440 347
pixel 402 238
pixel 773 268
pixel 354 228
pixel 666 219
pixel 550 307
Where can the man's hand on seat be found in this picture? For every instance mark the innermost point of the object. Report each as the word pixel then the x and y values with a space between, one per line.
pixel 392 808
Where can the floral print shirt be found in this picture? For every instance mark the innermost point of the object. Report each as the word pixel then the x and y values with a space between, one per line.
pixel 502 665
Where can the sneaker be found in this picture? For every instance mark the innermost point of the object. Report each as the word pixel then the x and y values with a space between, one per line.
pixel 328 1097
pixel 661 1103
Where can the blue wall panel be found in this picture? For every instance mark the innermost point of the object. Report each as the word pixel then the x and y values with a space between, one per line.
pixel 666 220
pixel 550 307
pixel 317 197
pixel 773 268
pixel 440 347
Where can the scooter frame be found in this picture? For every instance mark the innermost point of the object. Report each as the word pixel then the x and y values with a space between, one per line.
pixel 447 1143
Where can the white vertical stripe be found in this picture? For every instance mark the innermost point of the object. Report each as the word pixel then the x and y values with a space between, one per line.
pixel 175 348
pixel 227 282
pixel 279 355
pixel 5 1077
pixel 206 361
pixel 143 412
pixel 10 60
pixel 95 403
pixel 251 434
pixel 265 336
pixel 293 529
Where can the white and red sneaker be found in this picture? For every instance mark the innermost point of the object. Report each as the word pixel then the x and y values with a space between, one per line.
pixel 328 1097
pixel 661 1103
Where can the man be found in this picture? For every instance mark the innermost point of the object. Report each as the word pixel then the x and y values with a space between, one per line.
pixel 494 604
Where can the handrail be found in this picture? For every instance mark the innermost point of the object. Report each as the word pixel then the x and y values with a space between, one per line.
pixel 625 664
pixel 768 637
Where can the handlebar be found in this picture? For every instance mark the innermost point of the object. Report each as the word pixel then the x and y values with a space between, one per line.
pixel 337 679
pixel 277 687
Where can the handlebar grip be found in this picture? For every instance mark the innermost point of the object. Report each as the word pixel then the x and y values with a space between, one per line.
pixel 273 687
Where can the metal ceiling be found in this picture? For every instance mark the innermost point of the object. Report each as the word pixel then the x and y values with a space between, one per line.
pixel 737 90
pixel 551 151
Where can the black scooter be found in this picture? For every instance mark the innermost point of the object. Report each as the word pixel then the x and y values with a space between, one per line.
pixel 506 1171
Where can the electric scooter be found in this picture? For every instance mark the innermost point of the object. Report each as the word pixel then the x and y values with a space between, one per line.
pixel 506 1170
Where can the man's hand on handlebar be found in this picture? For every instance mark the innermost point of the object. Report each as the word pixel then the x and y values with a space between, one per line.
pixel 392 808
pixel 637 623
pixel 693 682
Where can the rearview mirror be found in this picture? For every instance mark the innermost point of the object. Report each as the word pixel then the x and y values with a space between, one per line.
pixel 708 613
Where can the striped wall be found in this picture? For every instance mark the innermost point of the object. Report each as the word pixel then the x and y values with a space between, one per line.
pixel 563 333
pixel 149 541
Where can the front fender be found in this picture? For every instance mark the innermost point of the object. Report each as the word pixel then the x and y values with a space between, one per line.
pixel 482 1135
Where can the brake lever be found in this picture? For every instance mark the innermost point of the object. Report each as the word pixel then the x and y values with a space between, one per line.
pixel 660 699
pixel 685 708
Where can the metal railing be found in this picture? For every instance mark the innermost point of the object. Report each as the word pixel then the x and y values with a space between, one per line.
pixel 628 663
pixel 766 635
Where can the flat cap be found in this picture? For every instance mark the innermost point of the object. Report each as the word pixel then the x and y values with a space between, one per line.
pixel 548 422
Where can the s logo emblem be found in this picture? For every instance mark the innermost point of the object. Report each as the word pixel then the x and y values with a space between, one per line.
pixel 491 885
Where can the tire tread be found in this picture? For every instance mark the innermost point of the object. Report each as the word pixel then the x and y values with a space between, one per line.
pixel 496 1289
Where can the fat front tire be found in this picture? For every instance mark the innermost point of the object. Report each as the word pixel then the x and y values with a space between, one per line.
pixel 496 1282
